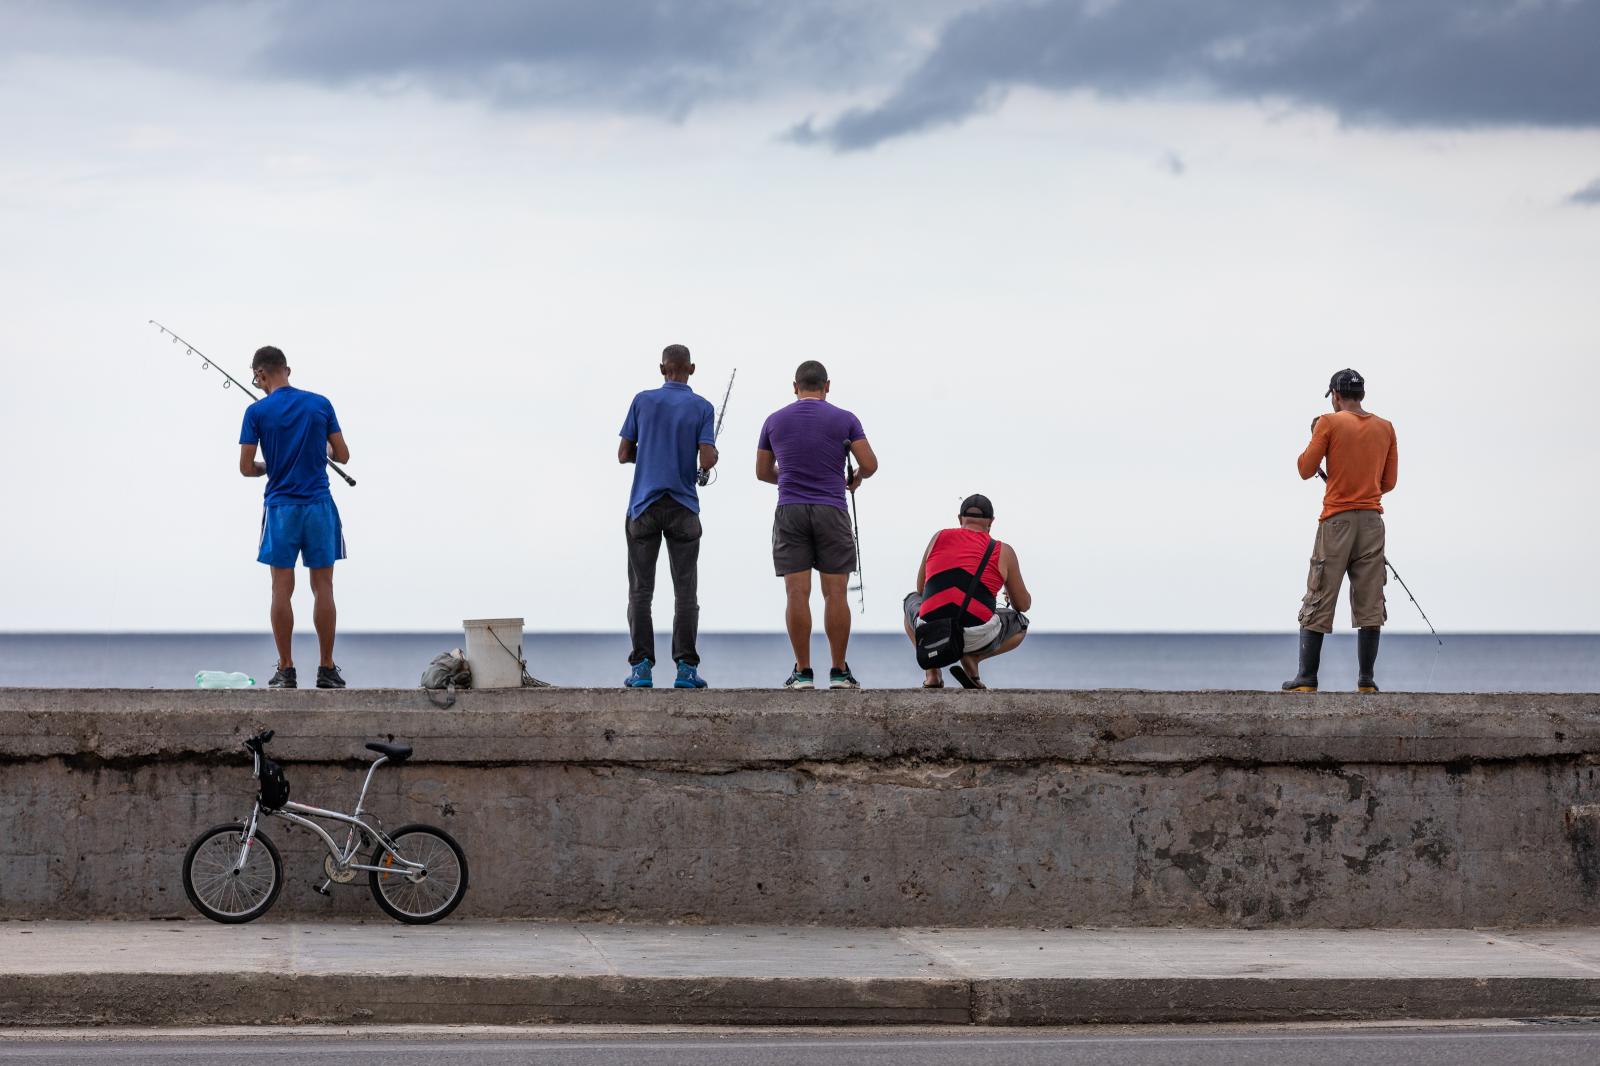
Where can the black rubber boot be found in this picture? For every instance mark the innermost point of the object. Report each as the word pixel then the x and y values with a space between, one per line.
pixel 1310 661
pixel 1366 658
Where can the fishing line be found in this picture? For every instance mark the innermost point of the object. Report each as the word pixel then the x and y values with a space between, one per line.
pixel 706 477
pixel 1433 666
pixel 206 363
pixel 860 587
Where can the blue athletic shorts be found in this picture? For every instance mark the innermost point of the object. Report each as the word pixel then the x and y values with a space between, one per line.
pixel 290 530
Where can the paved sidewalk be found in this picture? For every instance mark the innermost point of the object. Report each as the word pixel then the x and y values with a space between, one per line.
pixel 178 973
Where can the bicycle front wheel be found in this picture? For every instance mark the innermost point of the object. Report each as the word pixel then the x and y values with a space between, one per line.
pixel 220 886
pixel 419 898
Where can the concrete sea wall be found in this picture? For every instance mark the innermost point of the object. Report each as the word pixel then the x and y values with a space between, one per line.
pixel 854 808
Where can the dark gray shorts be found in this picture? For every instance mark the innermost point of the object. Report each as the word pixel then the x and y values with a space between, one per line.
pixel 1012 622
pixel 812 536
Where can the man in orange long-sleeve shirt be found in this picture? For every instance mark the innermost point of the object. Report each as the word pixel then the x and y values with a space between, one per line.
pixel 1363 465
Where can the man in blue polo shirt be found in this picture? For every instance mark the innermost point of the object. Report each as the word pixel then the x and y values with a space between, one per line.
pixel 298 433
pixel 668 432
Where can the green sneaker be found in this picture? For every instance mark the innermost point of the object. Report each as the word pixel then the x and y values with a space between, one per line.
pixel 842 678
pixel 801 679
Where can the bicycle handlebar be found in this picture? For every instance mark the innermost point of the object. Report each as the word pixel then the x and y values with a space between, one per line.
pixel 258 741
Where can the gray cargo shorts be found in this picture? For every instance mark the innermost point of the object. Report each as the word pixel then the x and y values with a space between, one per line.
pixel 812 536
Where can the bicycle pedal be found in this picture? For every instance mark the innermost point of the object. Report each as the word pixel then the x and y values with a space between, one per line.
pixel 321 889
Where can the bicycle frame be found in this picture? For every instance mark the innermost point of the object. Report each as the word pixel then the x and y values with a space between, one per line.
pixel 302 813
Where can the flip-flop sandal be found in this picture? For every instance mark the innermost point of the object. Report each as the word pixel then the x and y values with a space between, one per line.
pixel 959 672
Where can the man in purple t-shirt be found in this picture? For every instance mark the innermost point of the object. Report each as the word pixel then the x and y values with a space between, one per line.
pixel 802 451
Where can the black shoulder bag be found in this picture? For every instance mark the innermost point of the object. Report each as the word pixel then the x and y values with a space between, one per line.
pixel 942 641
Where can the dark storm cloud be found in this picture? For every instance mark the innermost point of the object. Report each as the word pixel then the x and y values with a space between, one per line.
pixel 1588 196
pixel 1451 63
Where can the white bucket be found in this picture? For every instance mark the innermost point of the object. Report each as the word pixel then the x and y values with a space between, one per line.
pixel 494 651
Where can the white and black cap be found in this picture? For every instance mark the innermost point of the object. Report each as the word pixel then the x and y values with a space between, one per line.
pixel 1346 380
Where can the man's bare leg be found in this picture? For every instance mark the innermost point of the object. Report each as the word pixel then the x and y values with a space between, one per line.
pixel 324 615
pixel 283 615
pixel 797 616
pixel 836 615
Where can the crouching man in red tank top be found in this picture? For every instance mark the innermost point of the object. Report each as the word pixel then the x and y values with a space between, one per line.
pixel 945 574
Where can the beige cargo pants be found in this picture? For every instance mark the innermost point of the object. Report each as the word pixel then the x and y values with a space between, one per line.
pixel 1349 542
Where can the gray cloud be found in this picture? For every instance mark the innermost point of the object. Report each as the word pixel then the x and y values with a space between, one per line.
pixel 661 57
pixel 1452 63
pixel 637 55
pixel 1588 196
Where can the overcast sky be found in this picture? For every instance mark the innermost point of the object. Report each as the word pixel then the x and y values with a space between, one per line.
pixel 1096 259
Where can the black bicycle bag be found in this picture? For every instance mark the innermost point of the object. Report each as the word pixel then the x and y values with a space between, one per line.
pixel 274 786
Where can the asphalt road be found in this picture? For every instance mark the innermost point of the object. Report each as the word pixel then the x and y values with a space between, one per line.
pixel 1481 1045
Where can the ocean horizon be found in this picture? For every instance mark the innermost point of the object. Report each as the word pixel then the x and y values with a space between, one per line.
pixel 1473 662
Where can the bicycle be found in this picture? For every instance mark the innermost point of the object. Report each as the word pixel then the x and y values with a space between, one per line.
pixel 233 872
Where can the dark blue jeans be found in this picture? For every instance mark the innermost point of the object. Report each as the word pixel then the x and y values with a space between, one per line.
pixel 670 520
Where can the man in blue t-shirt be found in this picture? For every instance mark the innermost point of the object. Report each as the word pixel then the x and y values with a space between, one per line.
pixel 298 433
pixel 803 450
pixel 668 432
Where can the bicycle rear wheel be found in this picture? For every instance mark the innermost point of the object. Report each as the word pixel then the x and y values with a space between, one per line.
pixel 418 899
pixel 220 887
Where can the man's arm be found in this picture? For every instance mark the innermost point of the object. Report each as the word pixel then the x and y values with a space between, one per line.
pixel 1316 451
pixel 866 463
pixel 1016 589
pixel 628 450
pixel 707 439
pixel 922 567
pixel 1391 467
pixel 338 450
pixel 766 466
pixel 248 466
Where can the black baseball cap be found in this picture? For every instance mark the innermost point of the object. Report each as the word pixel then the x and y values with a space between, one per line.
pixel 977 506
pixel 1346 380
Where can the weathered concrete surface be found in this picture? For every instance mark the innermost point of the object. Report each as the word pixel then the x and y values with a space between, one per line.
pixel 193 973
pixel 851 808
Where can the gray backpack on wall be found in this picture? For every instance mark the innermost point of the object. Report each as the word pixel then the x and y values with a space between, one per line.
pixel 449 672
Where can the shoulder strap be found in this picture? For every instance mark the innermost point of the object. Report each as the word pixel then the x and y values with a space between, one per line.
pixel 972 586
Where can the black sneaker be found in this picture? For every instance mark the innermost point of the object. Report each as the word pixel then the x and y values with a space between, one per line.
pixel 842 678
pixel 328 677
pixel 801 679
pixel 284 678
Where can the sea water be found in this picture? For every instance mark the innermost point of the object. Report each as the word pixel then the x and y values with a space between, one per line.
pixel 1408 662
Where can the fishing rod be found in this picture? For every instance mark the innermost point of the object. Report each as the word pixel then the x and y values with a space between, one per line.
pixel 1397 577
pixel 704 477
pixel 207 363
pixel 860 587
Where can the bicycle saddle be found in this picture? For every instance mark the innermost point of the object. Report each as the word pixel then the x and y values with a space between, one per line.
pixel 396 753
